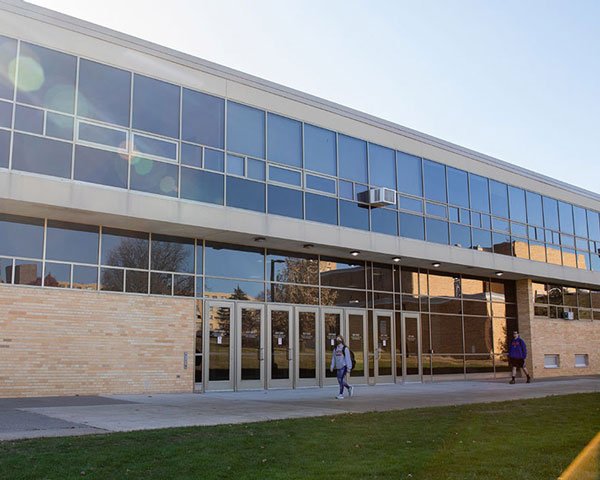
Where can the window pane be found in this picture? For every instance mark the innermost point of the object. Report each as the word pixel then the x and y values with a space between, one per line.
pixel 8 54
pixel 255 169
pixel 4 148
pixel 499 195
pixel 203 119
pixel 593 219
pixel 224 260
pixel 346 189
pixel 41 155
pixel 384 221
pixel 155 106
pixel 59 126
pixel 183 285
pixel 28 272
pixel 245 130
pixel 154 146
pixel 518 210
pixel 321 209
pixel 354 216
pixel 284 175
pixel 534 208
pixel 437 231
pixel 436 209
pixel 409 174
pixel 72 242
pixel 337 272
pixel 284 137
pixel 482 240
pixel 172 254
pixel 382 166
pixel 565 211
pixel 411 204
pixel 85 278
pixel 478 189
pixel 153 176
pixel 235 165
pixel 57 275
pixel 319 150
pixel 104 93
pixel 435 180
pixel 190 155
pixel 214 160
pixel 124 248
pixel 284 201
pixel 580 222
pixel 202 186
pixel 234 289
pixel 411 226
pixel 21 236
pixel 353 158
pixel 100 166
pixel 136 282
pixel 550 213
pixel 460 236
pixel 46 78
pixel 29 119
pixel 320 183
pixel 6 112
pixel 112 279
pixel 245 194
pixel 292 268
pixel 458 187
pixel 102 135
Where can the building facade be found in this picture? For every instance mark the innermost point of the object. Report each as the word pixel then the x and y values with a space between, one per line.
pixel 168 224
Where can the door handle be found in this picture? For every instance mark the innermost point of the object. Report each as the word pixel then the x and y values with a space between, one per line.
pixel 261 354
pixel 290 355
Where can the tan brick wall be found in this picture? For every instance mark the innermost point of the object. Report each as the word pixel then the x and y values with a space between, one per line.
pixel 66 342
pixel 566 338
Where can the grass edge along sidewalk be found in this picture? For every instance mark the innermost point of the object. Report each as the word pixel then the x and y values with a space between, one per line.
pixel 522 439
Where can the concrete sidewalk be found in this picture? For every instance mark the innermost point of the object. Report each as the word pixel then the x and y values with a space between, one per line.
pixel 62 416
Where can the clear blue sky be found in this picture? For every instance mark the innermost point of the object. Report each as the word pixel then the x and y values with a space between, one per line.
pixel 517 80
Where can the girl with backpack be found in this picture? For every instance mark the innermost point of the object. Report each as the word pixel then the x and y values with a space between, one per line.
pixel 341 360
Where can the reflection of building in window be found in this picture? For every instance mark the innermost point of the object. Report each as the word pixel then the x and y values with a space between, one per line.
pixel 26 274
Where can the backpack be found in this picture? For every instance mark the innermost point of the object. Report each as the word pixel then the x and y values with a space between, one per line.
pixel 352 361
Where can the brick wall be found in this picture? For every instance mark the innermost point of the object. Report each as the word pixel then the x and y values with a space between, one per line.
pixel 66 342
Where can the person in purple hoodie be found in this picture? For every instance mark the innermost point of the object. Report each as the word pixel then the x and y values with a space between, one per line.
pixel 517 353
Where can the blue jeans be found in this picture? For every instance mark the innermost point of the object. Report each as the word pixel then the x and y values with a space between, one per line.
pixel 341 378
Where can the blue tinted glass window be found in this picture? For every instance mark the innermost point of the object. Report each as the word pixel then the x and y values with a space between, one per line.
pixel 436 209
pixel 154 146
pixel 284 175
pixel 203 119
pixel 41 155
pixel 72 242
pixel 534 208
pixel 235 165
pixel 518 209
pixel 353 158
pixel 245 194
pixel 499 195
pixel 565 211
pixel 214 160
pixel 435 180
pixel 382 166
pixel 285 201
pixel 500 225
pixel 29 119
pixel 453 214
pixel 321 209
pixel 6 111
pixel 46 78
pixel 482 240
pixel 256 169
pixel 154 177
pixel 124 248
pixel 346 189
pixel 593 219
pixel 320 183
pixel 8 54
pixel 502 244
pixel 110 137
pixel 460 236
pixel 458 187
pixel 57 275
pixel 354 216
pixel 518 229
pixel 155 106
pixel 580 221
pixel 409 203
pixel 104 93
pixel 4 148
pixel 409 174
pixel 223 260
pixel 59 126
pixel 319 150
pixel 478 190
pixel 21 236
pixel 411 226
pixel 191 155
pixel 100 166
pixel 384 221
pixel 284 140
pixel 172 254
pixel 28 272
pixel 245 130
pixel 437 231
pixel 550 213
pixel 202 186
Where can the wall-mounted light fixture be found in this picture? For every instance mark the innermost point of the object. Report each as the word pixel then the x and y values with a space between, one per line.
pixel 396 259
pixel 355 253
pixel 435 264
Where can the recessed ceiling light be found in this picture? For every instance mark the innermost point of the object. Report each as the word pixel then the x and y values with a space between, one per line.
pixel 396 259
pixel 354 253
pixel 499 274
pixel 259 239
pixel 308 246
pixel 435 264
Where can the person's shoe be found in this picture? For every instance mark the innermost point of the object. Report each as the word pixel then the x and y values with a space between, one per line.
pixel 351 390
pixel 528 379
pixel 512 381
pixel 340 397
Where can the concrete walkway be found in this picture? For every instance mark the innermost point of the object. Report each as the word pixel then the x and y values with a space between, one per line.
pixel 62 416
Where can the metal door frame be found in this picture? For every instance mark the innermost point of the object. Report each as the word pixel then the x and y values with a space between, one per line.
pixel 281 383
pixel 418 377
pixel 305 382
pixel 365 339
pixel 326 344
pixel 383 378
pixel 219 385
pixel 261 383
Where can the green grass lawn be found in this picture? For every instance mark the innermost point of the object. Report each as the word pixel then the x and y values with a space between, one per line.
pixel 525 439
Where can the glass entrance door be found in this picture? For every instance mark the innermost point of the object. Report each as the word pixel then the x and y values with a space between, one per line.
pixel 219 351
pixel 332 327
pixel 411 333
pixel 355 338
pixel 280 348
pixel 250 351
pixel 382 338
pixel 306 348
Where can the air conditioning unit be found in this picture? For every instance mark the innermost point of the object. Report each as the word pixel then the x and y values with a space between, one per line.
pixel 568 316
pixel 379 197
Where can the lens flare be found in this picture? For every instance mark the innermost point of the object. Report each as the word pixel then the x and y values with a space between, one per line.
pixel 168 185
pixel 142 166
pixel 31 74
